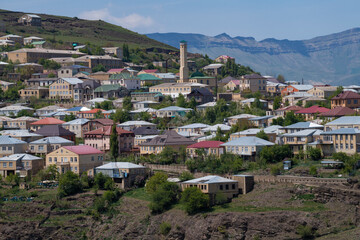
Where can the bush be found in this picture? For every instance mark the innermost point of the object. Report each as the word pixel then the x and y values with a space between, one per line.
pixel 194 200
pixel 164 196
pixel 109 184
pixel 313 171
pixel 165 228
pixel 275 153
pixel 69 184
pixel 155 181
pixel 104 182
pixel 220 198
pixel 314 153
pixel 276 169
pixel 305 232
pixel 184 176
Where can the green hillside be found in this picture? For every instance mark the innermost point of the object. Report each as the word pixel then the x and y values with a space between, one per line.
pixel 67 29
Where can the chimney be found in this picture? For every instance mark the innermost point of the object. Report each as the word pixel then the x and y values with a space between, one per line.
pixel 184 71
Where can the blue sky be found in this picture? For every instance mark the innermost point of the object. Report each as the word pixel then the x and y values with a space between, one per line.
pixel 291 19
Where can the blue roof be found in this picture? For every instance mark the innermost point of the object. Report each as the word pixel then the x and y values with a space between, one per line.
pixel 248 141
pixel 52 140
pixel 175 108
pixel 260 118
pixel 75 109
pixel 346 120
pixel 7 140
pixel 304 125
pixel 342 131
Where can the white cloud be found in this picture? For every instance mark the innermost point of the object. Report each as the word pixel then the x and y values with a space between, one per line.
pixel 132 21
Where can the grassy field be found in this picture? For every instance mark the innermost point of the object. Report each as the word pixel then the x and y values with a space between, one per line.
pixel 69 30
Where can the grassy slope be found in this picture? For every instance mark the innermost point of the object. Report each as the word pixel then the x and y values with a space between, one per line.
pixel 77 30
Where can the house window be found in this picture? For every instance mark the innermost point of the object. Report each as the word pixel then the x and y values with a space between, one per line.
pixel 233 186
pixel 55 159
pixel 221 187
pixel 10 164
pixel 227 187
pixel 92 158
pixel 4 164
pixel 50 159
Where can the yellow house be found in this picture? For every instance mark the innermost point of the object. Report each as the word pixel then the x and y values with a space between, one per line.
pixel 21 122
pixel 343 140
pixel 298 140
pixel 34 91
pixel 78 159
pixel 63 88
pixel 213 185
pixel 22 164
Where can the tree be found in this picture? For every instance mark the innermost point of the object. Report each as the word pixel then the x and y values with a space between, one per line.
pixel 98 68
pixel 275 153
pixel 99 114
pixel 167 155
pixel 192 103
pixel 126 53
pixel 120 116
pixel 24 112
pixel 69 118
pixel 69 184
pixel 114 143
pixel 127 105
pixel 277 102
pixel 194 200
pixel 155 181
pixel 180 101
pixel 262 135
pixel 164 196
pixel 313 170
pixel 184 176
pixel 314 153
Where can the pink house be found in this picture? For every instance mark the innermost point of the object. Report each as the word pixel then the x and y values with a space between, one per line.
pixel 100 139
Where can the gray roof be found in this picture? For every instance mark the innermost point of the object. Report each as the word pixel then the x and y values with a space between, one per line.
pixel 303 87
pixel 210 179
pixel 195 125
pixel 261 118
pixel 6 140
pixel 136 123
pixel 342 131
pixel 303 125
pixel 20 156
pixel 175 108
pixel 19 133
pixel 52 140
pixel 248 141
pixel 117 165
pixel 346 120
pixel 73 81
pixel 80 121
pixel 242 116
pixel 251 100
pixel 303 133
pixel 223 127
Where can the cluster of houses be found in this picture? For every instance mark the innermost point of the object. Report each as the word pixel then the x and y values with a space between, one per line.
pixel 29 144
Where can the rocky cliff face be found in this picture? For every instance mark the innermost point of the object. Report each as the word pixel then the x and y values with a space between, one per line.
pixel 325 59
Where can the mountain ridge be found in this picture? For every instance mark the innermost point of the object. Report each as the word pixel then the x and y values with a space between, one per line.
pixel 323 59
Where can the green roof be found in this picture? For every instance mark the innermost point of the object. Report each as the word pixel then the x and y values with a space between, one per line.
pixel 197 74
pixel 107 88
pixel 134 93
pixel 203 77
pixel 148 77
pixel 124 75
pixel 38 43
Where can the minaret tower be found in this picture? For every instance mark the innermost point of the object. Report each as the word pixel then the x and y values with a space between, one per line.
pixel 184 70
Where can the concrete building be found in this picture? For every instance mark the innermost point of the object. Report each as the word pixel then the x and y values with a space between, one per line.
pixel 174 89
pixel 209 148
pixel 41 82
pixel 323 92
pixel 114 52
pixel 191 130
pixel 33 55
pixel 76 126
pixel 45 122
pixel 63 88
pixel 30 20
pixel 48 144
pixel 342 140
pixel 78 159
pixel 9 145
pixel 131 125
pixel 22 164
pixel 34 92
pixel 107 61
pixel 343 122
pixel 14 38
pixel 13 110
pixel 346 99
pixel 20 122
pixel 124 174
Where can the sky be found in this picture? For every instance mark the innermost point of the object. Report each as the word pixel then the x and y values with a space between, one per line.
pixel 280 19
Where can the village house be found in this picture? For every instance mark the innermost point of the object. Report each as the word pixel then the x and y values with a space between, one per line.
pixel 174 89
pixel 22 164
pixel 85 91
pixel 343 122
pixel 346 99
pixel 96 123
pixel 293 99
pixel 147 80
pixel 114 52
pixel 76 126
pixel 299 126
pixel 48 144
pixel 338 112
pixel 14 38
pixel 100 139
pixel 6 85
pixel 232 85
pixel 323 92
pixel 296 88
pixel 131 125
pixel 33 55
pixel 144 104
pixel 251 132
pixel 23 135
pixel 213 129
pixel 167 77
pixel 312 112
pixel 298 140
pixel 124 174
pixel 168 139
pixel 13 110
pixel 191 130
pixel 250 101
pixel 4 121
pixel 281 112
pixel 147 96
pixel 30 40
pixel 201 95
pixel 208 147
pixel 44 122
pixel 56 131
pixel 34 92
pixel 343 140
pixel 247 147
pixel 70 71
pixel 40 82
pixel 274 89
pixel 91 114
pixel 69 61
pixel 213 69
pixel 107 61
pixel 149 71
pixel 172 112
pixel 9 145
pixel 30 20
pixel 213 185
pixel 198 77
pixel 78 159
pixel 20 122
pixel 123 79
pixel 63 88
pixel 111 91
pixel 49 109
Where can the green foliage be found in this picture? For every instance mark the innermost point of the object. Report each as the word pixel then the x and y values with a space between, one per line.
pixel 127 105
pixel 13 179
pixel 277 102
pixel 23 113
pixel 86 181
pixel 50 173
pixel 120 116
pixel 289 119
pixel 98 68
pixel 155 181
pixel 349 161
pixel 313 170
pixel 262 135
pixel 106 105
pixel 180 101
pixel 12 94
pixel 49 64
pixel 220 198
pixel 69 118
pixel 165 228
pixel 305 232
pixel 276 169
pixel 69 184
pixel 280 78
pixel 314 153
pixel 114 143
pixel 102 181
pixel 235 70
pixel 126 53
pixel 185 176
pixel 275 153
pixel 163 197
pixel 194 200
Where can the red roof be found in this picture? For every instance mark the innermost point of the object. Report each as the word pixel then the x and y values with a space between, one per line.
pixel 95 110
pixel 104 121
pixel 206 144
pixel 236 82
pixel 150 70
pixel 346 95
pixel 338 112
pixel 115 70
pixel 290 108
pixel 313 109
pixel 83 149
pixel 106 130
pixel 48 121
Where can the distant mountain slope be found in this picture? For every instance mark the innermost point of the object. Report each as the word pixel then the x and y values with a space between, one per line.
pixel 328 59
pixel 70 29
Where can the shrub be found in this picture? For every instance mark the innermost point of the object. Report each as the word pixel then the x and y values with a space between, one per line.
pixel 305 232
pixel 314 153
pixel 313 171
pixel 109 184
pixel 165 228
pixel 164 196
pixel 220 198
pixel 275 169
pixel 155 181
pixel 69 184
pixel 194 200
pixel 184 176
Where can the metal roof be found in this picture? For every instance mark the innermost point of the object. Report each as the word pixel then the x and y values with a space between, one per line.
pixel 51 140
pixel 135 123
pixel 347 120
pixel 117 165
pixel 20 156
pixel 195 125
pixel 248 141
pixel 175 108
pixel 304 125
pixel 223 127
pixel 73 81
pixel 210 179
pixel 342 131
pixel 80 121
pixel 7 140
pixel 303 133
